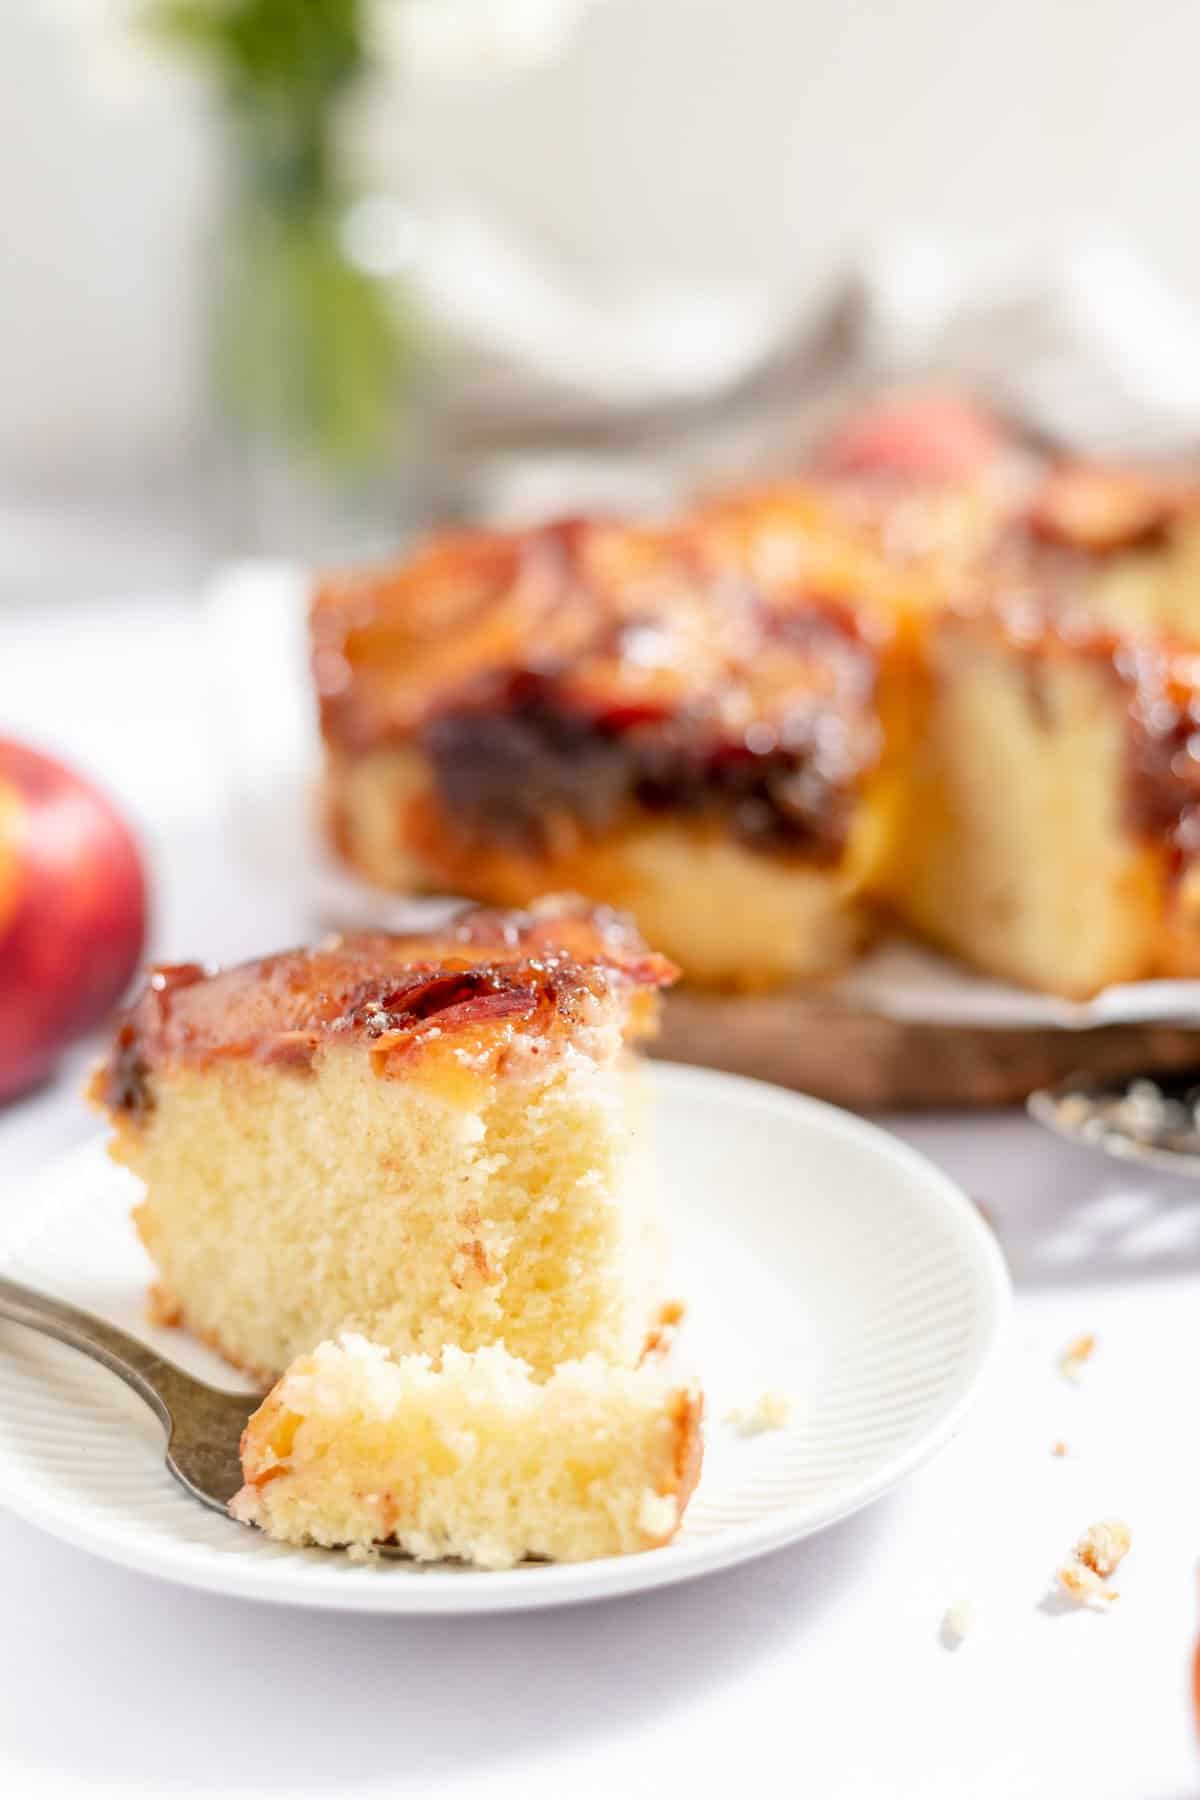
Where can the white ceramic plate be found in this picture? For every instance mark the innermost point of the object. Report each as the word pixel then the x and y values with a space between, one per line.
pixel 817 1254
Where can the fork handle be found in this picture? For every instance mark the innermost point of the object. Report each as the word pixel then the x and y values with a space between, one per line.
pixel 158 1381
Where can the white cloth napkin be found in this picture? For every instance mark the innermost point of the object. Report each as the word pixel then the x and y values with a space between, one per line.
pixel 550 399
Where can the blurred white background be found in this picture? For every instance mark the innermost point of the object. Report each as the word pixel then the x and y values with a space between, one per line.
pixel 681 140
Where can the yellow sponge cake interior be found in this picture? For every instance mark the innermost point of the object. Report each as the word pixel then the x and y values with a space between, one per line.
pixel 428 1140
pixel 472 1459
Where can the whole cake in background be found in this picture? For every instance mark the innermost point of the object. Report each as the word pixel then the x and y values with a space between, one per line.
pixel 959 693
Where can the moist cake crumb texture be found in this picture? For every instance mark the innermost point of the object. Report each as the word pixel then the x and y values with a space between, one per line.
pixel 433 1141
pixel 472 1458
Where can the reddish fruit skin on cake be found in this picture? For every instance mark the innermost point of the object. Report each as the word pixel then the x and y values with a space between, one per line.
pixel 486 976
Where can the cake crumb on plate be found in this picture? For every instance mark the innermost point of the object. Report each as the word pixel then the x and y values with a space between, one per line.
pixel 769 1411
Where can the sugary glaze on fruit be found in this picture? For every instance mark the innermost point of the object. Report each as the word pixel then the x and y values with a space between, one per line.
pixel 1103 509
pixel 464 991
pixel 601 670
pixel 728 668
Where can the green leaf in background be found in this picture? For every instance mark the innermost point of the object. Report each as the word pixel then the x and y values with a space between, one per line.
pixel 300 47
pixel 310 347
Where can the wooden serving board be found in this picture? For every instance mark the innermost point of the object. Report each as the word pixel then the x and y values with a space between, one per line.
pixel 817 1045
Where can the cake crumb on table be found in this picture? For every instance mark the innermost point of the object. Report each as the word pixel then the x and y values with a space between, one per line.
pixel 957 1620
pixel 1104 1546
pixel 1083 1584
pixel 1077 1355
pixel 769 1411
pixel 1097 1556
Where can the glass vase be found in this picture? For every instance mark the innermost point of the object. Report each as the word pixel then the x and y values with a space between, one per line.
pixel 314 353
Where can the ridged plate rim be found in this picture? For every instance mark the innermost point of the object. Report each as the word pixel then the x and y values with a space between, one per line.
pixel 326 1580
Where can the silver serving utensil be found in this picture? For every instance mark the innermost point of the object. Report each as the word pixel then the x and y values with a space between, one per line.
pixel 1140 1119
pixel 203 1424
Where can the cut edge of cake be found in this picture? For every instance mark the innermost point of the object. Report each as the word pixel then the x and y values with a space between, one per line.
pixel 731 917
pixel 317 1157
pixel 474 1458
pixel 1029 853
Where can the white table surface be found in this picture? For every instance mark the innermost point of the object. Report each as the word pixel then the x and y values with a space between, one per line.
pixel 817 1671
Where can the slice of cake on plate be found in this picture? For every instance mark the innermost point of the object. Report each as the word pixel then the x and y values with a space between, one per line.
pixel 474 1458
pixel 430 1140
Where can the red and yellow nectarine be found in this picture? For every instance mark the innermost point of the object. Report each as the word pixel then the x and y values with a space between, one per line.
pixel 926 434
pixel 72 912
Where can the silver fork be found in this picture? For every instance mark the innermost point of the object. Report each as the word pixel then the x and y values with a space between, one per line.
pixel 203 1424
